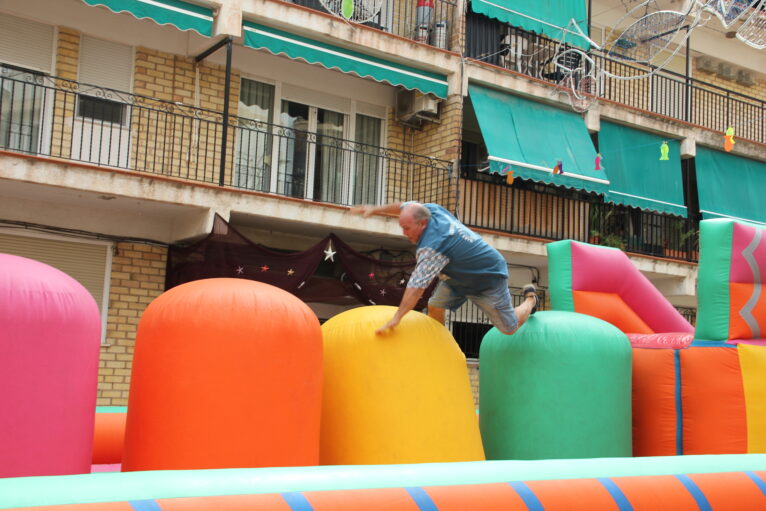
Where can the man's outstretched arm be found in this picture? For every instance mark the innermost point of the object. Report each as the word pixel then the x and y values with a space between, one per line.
pixel 409 300
pixel 368 209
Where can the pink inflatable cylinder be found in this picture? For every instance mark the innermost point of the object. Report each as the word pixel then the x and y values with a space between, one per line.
pixel 49 349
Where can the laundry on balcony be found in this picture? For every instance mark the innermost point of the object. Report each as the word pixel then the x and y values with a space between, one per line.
pixel 347 61
pixel 636 177
pixel 532 139
pixel 730 186
pixel 552 18
pixel 180 14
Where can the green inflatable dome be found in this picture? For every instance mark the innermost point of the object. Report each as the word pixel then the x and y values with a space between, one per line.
pixel 560 387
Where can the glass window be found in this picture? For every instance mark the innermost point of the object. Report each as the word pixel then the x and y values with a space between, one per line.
pixel 368 160
pixel 293 149
pixel 99 109
pixel 21 99
pixel 253 146
pixel 330 172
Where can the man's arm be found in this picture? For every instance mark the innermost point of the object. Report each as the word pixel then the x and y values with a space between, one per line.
pixel 368 209
pixel 409 300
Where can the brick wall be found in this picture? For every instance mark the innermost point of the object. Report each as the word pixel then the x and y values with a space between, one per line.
pixel 180 144
pixel 67 61
pixel 473 375
pixel 138 277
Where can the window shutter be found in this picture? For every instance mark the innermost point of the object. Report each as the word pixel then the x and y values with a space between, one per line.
pixel 26 43
pixel 105 64
pixel 84 262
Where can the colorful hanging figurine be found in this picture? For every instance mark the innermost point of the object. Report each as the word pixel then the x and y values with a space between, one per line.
pixel 598 161
pixel 664 151
pixel 559 168
pixel 728 138
pixel 509 177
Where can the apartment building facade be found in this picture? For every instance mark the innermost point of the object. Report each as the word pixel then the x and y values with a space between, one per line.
pixel 127 126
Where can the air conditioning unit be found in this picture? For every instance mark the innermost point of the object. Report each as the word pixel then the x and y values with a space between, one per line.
pixel 726 72
pixel 745 78
pixel 706 65
pixel 413 107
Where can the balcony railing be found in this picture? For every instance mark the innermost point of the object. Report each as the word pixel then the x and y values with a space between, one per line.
pixel 425 21
pixel 60 118
pixel 663 92
pixel 546 212
pixel 469 323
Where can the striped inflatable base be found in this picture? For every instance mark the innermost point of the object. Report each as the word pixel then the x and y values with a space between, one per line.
pixel 723 482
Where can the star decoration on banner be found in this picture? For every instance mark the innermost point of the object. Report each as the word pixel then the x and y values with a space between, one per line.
pixel 402 282
pixel 290 272
pixel 264 268
pixel 329 253
pixel 371 275
pixel 382 292
pixel 240 270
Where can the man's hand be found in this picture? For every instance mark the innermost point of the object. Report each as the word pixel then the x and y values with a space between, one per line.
pixel 388 326
pixel 363 209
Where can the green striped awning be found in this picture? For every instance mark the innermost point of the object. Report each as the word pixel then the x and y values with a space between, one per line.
pixel 730 186
pixel 180 14
pixel 530 138
pixel 348 61
pixel 549 17
pixel 637 176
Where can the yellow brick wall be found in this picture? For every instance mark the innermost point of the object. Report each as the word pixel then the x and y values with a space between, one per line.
pixel 473 375
pixel 439 140
pixel 173 142
pixel 67 59
pixel 138 277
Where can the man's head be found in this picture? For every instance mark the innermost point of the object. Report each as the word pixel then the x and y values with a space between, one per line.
pixel 413 220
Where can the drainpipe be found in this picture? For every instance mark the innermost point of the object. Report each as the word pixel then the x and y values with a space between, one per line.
pixel 228 42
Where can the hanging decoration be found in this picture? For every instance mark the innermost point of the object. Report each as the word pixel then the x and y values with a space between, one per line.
pixel 598 161
pixel 664 151
pixel 352 277
pixel 559 168
pixel 728 143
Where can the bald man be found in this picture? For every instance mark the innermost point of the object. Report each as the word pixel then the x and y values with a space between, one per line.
pixel 473 269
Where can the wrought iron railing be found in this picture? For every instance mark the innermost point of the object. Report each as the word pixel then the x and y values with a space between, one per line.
pixel 425 21
pixel 468 324
pixel 662 92
pixel 552 213
pixel 61 118
pixel 689 314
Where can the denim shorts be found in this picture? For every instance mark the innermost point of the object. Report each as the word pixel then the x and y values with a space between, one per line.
pixel 495 301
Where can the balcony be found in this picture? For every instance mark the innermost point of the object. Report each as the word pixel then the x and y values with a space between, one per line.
pixel 663 92
pixel 59 118
pixel 424 21
pixel 550 213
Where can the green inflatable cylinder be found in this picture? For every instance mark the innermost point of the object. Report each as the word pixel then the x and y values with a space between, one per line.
pixel 560 387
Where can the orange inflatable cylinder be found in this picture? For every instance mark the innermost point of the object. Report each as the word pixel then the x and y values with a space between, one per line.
pixel 226 373
pixel 108 438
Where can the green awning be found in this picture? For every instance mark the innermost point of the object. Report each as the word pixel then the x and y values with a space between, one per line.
pixel 549 17
pixel 180 14
pixel 637 176
pixel 530 138
pixel 730 186
pixel 345 60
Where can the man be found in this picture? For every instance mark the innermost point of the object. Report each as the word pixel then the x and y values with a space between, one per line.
pixel 473 268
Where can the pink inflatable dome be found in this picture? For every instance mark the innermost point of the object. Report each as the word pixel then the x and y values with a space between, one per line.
pixel 49 348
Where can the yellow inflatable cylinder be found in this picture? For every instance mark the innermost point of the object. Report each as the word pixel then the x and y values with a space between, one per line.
pixel 401 397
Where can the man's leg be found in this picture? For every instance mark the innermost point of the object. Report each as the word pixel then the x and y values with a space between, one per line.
pixel 496 304
pixel 436 312
pixel 443 297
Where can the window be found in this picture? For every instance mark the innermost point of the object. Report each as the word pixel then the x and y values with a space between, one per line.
pixel 253 146
pixel 367 173
pixel 88 262
pixel 100 109
pixel 21 100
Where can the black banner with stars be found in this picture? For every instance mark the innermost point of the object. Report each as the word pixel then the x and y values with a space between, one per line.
pixel 227 253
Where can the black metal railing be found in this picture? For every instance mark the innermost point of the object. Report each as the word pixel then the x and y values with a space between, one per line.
pixel 468 324
pixel 61 118
pixel 689 314
pixel 308 165
pixel 425 21
pixel 547 212
pixel 662 92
